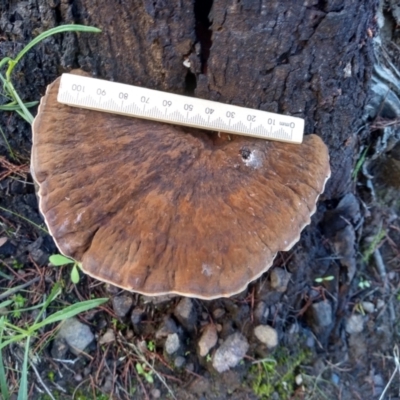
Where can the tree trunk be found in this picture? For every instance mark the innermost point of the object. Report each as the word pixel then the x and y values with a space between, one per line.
pixel 310 59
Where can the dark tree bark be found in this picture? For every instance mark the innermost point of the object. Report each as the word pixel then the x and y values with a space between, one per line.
pixel 312 59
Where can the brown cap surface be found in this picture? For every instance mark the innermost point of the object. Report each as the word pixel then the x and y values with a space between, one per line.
pixel 157 209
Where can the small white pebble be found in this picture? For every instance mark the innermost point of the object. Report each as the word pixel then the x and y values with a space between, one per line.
pixel 379 304
pixel 368 306
pixel 267 335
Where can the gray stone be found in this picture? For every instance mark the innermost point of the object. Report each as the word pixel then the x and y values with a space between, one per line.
pixel 179 362
pixel 384 99
pixel 218 313
pixel 267 335
pixel 155 393
pixel 113 290
pixel 335 379
pixel 142 346
pixel 321 314
pixel 137 315
pixel 37 254
pixel 108 384
pixel 190 367
pixel 59 348
pixel 261 312
pixel 122 304
pixel 184 308
pixel 185 313
pixel 77 335
pixel 108 337
pixel 231 352
pixel 167 327
pixel 172 343
pixel 200 386
pixel 293 329
pixel 380 304
pixel 7 247
pixel 355 324
pixel 129 334
pixel 378 380
pixel 208 340
pixel 310 341
pixel 279 279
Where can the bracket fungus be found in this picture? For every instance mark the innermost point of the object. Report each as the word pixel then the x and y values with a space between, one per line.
pixel 158 209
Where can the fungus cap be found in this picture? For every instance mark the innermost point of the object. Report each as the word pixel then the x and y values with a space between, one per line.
pixel 159 209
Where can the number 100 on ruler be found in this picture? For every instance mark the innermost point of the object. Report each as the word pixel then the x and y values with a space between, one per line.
pixel 134 101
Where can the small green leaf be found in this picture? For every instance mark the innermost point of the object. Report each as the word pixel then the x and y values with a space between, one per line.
pixel 139 369
pixel 324 279
pixel 58 259
pixel 149 377
pixel 75 274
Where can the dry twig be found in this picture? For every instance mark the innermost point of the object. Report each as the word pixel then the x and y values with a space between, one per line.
pixel 10 168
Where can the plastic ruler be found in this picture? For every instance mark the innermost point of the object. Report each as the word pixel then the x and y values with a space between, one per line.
pixel 134 101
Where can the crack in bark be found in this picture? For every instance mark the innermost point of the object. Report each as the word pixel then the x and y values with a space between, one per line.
pixel 203 30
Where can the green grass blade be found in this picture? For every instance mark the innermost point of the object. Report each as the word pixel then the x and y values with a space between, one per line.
pixel 23 384
pixel 28 118
pixel 16 328
pixel 5 276
pixel 3 378
pixel 25 219
pixel 44 35
pixel 359 164
pixel 12 155
pixel 71 311
pixel 35 307
pixel 5 342
pixel 24 309
pixel 55 291
pixel 5 304
pixel 11 93
pixel 4 61
pixel 376 240
pixel 14 107
pixel 24 112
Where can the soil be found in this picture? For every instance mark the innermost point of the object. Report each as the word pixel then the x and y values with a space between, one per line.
pixel 336 320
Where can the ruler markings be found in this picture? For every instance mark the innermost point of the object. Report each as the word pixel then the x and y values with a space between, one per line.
pixel 106 96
